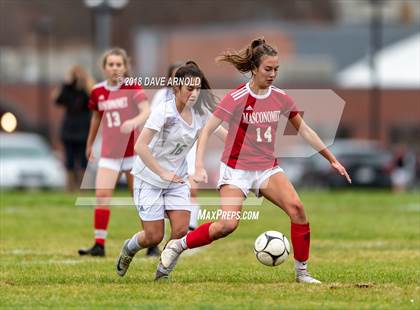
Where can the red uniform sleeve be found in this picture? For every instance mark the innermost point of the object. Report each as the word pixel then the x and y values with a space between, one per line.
pixel 225 108
pixel 290 107
pixel 93 101
pixel 138 95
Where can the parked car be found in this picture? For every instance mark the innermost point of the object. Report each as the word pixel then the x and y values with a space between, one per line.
pixel 367 163
pixel 26 161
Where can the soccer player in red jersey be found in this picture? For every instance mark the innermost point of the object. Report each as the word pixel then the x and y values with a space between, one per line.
pixel 121 109
pixel 248 162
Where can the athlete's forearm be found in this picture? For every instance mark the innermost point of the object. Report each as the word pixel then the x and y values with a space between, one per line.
pixel 95 121
pixel 315 141
pixel 141 118
pixel 221 133
pixel 201 149
pixel 207 130
pixel 147 157
pixel 328 155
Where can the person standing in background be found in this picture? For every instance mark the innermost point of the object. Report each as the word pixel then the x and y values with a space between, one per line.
pixel 403 169
pixel 74 98
pixel 122 109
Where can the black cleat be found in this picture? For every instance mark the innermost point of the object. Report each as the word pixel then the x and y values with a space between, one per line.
pixel 160 276
pixel 96 250
pixel 153 251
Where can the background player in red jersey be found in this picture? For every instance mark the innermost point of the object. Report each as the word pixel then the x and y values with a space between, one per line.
pixel 248 163
pixel 122 109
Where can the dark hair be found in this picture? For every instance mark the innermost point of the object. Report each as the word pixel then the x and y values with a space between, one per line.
pixel 172 68
pixel 248 58
pixel 206 98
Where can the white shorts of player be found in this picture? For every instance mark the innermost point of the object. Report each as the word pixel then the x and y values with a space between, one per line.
pixel 152 201
pixel 245 180
pixel 117 164
pixel 400 177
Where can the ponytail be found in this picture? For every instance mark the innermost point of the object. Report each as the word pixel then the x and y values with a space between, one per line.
pixel 248 58
pixel 206 99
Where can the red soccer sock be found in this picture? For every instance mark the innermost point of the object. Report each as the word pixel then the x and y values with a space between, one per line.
pixel 101 220
pixel 301 236
pixel 199 236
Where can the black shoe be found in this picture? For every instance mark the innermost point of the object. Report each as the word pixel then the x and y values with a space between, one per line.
pixel 160 276
pixel 153 251
pixel 96 250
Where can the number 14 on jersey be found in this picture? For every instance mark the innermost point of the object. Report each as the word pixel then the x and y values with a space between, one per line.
pixel 267 135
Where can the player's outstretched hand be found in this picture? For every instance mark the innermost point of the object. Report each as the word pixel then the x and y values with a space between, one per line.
pixel 171 177
pixel 200 176
pixel 341 170
pixel 128 126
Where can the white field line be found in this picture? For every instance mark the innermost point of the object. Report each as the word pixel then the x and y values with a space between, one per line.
pixel 59 261
pixel 128 201
pixel 410 207
pixel 86 260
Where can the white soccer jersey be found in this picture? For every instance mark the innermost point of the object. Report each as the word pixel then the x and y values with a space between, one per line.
pixel 162 95
pixel 171 143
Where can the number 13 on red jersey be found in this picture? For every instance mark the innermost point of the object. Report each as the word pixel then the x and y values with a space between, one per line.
pixel 113 119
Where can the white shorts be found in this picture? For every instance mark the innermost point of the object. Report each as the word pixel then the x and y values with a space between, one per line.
pixel 245 180
pixel 117 164
pixel 400 177
pixel 151 202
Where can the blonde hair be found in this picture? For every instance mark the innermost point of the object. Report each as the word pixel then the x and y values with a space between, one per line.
pixel 117 51
pixel 81 78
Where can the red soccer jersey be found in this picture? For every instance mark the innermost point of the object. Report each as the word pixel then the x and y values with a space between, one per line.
pixel 116 105
pixel 253 121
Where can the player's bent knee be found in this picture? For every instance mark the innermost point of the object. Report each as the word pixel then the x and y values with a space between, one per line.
pixel 103 193
pixel 296 211
pixel 156 241
pixel 103 197
pixel 153 239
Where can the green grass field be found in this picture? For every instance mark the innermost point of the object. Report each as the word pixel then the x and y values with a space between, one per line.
pixel 365 248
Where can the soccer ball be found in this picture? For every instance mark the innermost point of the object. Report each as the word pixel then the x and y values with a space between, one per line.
pixel 271 248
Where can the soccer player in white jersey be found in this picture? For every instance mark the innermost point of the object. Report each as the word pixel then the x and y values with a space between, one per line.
pixel 121 109
pixel 162 95
pixel 248 162
pixel 160 171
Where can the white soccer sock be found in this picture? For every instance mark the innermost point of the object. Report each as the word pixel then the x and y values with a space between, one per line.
pixel 133 245
pixel 195 208
pixel 301 266
pixel 162 269
pixel 183 242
